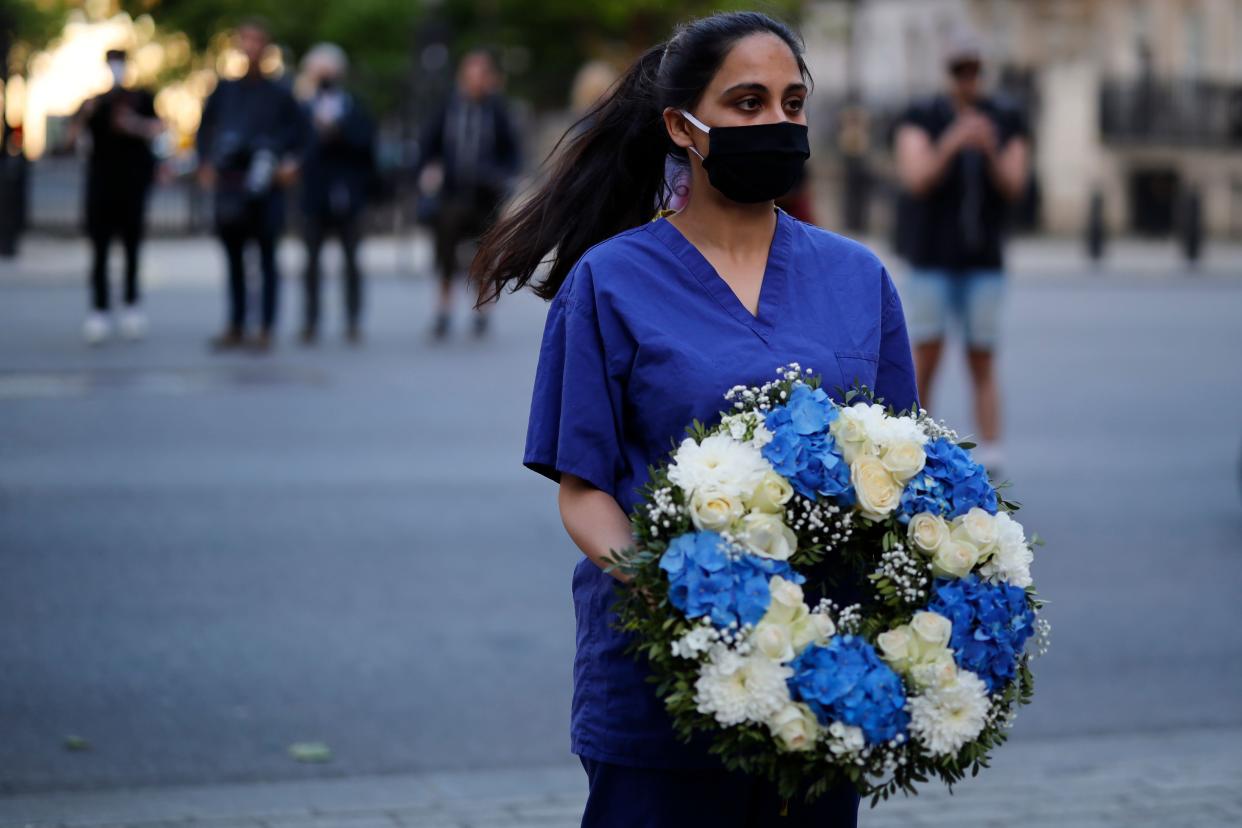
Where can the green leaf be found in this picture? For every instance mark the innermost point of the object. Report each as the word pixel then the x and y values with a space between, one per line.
pixel 310 752
pixel 76 743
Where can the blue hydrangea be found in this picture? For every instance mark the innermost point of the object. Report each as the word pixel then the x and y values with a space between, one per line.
pixel 803 451
pixel 991 624
pixel 704 580
pixel 951 483
pixel 846 681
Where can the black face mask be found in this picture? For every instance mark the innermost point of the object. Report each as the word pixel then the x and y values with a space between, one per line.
pixel 750 164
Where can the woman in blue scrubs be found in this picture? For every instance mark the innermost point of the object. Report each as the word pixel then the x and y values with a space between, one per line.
pixel 650 323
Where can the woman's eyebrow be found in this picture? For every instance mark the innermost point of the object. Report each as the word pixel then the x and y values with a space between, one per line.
pixel 754 86
pixel 749 87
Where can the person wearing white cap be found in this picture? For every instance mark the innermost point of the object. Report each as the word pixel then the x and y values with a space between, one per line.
pixel 963 158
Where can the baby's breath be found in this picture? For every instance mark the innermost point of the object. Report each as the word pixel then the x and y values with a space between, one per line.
pixel 909 574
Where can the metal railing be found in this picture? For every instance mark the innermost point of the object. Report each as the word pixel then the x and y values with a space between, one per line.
pixel 1151 111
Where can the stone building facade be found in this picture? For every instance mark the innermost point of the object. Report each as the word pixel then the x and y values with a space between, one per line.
pixel 1138 101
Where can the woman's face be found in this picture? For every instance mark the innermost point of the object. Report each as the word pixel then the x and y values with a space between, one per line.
pixel 758 83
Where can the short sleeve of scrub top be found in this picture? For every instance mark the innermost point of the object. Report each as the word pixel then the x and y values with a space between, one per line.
pixel 643 338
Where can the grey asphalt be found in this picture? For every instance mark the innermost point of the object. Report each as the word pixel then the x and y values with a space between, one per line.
pixel 206 559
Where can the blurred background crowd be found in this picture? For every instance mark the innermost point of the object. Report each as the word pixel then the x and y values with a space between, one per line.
pixel 1134 105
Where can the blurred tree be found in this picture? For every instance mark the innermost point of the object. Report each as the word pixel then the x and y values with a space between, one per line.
pixel 541 43
pixel 549 40
pixel 33 22
pixel 375 33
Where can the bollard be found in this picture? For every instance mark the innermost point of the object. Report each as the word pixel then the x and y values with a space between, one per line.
pixel 10 204
pixel 1190 227
pixel 1095 227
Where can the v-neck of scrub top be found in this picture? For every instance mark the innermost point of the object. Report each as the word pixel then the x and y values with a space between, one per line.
pixel 770 290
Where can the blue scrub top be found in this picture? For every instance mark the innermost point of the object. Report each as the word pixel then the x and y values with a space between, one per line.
pixel 644 337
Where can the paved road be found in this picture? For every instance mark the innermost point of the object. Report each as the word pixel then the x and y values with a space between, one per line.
pixel 1168 780
pixel 206 559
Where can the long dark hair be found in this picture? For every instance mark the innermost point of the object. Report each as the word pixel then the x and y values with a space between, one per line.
pixel 607 171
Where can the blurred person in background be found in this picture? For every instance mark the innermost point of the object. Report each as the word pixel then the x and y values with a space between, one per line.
pixel 962 158
pixel 648 320
pixel 121 124
pixel 593 80
pixel 249 143
pixel 336 174
pixel 473 138
pixel 799 202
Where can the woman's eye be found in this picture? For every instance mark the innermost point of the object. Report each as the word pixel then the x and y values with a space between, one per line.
pixel 794 104
pixel 749 104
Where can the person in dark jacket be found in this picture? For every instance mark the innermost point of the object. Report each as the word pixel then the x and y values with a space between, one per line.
pixel 473 138
pixel 336 174
pixel 963 158
pixel 121 123
pixel 249 141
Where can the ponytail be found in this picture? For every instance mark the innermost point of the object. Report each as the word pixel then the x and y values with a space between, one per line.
pixel 608 173
pixel 608 177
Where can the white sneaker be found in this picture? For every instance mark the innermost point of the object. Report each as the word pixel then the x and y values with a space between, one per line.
pixel 133 323
pixel 96 328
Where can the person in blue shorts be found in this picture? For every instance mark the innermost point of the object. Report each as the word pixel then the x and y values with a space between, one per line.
pixel 962 158
pixel 650 322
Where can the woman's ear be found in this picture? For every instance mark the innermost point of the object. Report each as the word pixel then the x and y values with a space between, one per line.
pixel 679 129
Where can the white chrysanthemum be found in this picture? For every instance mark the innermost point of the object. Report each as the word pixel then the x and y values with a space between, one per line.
pixel 739 688
pixel 946 717
pixel 1011 562
pixel 893 430
pixel 696 642
pixel 843 739
pixel 882 429
pixel 1008 531
pixel 720 464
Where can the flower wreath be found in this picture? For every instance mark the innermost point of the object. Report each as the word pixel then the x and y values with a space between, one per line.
pixel 790 497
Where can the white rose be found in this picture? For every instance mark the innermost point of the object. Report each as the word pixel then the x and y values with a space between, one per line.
pixel 955 558
pixel 849 430
pixel 811 628
pixel 937 670
pixel 932 628
pixel 878 493
pixel 786 603
pixel 904 459
pixel 815 628
pixel 978 528
pixel 714 510
pixel 795 727
pixel 773 641
pixel 896 646
pixel 785 592
pixel 767 535
pixel 927 532
pixel 772 493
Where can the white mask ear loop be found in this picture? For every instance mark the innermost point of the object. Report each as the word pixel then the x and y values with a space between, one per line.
pixel 702 126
